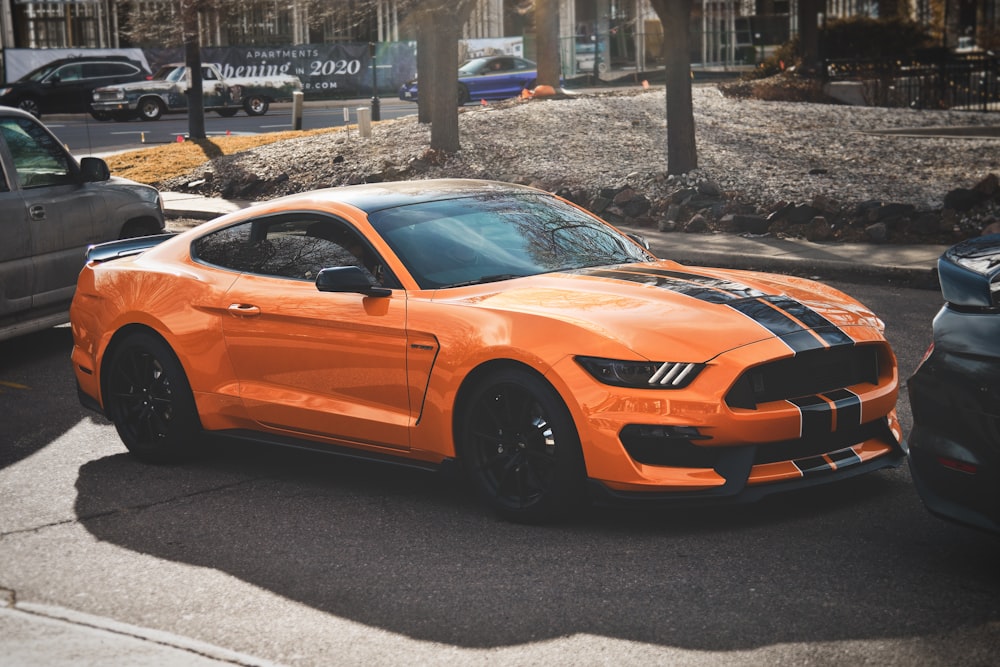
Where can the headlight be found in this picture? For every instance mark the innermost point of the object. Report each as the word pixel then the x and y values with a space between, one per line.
pixel 641 374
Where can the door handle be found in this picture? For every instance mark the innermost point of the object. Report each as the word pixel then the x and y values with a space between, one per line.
pixel 244 310
pixel 36 211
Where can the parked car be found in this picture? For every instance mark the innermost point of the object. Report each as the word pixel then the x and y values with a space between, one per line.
pixel 492 325
pixel 52 208
pixel 167 92
pixel 65 85
pixel 492 78
pixel 955 392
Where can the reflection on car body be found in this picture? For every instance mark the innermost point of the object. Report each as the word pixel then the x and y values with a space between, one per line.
pixel 955 392
pixel 492 325
pixel 489 78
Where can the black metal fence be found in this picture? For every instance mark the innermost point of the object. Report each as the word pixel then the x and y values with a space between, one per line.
pixel 963 82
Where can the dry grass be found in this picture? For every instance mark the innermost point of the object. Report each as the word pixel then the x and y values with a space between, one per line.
pixel 153 165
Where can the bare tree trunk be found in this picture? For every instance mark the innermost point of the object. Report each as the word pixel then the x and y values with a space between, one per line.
pixel 682 154
pixel 547 32
pixel 809 33
pixel 444 89
pixel 192 60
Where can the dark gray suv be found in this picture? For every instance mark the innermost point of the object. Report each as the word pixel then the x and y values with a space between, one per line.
pixel 51 209
pixel 65 85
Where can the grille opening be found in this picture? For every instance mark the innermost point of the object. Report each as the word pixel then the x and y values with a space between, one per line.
pixel 683 453
pixel 805 374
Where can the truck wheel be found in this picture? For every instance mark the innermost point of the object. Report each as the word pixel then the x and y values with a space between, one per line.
pixel 101 116
pixel 150 108
pixel 228 112
pixel 256 105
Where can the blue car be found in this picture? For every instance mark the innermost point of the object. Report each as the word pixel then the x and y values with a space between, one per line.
pixel 492 78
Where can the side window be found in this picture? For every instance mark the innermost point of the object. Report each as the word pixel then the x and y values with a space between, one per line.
pixel 72 72
pixel 39 159
pixel 207 74
pixel 287 247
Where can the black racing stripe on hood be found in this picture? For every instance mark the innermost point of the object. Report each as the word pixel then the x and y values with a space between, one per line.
pixel 679 286
pixel 781 315
pixel 823 327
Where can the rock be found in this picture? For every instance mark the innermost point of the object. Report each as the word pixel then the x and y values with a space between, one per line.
pixel 925 224
pixel 825 204
pixel 879 232
pixel 989 186
pixel 667 225
pixel 818 230
pixel 698 223
pixel 751 224
pixel 963 199
pixel 890 211
pixel 624 196
pixel 992 228
pixel 800 215
pixel 636 206
pixel 709 188
pixel 599 204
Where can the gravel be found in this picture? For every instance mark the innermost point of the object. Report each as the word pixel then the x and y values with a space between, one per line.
pixel 763 155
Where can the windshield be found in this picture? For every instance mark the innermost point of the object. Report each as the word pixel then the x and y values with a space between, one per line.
pixel 169 73
pixel 472 67
pixel 497 237
pixel 40 73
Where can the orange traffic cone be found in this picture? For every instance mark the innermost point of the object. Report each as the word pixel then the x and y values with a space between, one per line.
pixel 180 138
pixel 645 84
pixel 483 103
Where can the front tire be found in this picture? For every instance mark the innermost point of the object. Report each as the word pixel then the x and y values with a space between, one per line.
pixel 520 448
pixel 256 105
pixel 151 108
pixel 147 396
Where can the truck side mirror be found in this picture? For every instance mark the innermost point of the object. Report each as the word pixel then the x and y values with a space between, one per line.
pixel 94 170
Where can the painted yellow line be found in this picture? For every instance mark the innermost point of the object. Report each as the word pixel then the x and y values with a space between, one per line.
pixel 13 385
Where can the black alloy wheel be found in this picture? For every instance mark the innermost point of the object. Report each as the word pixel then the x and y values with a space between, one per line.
pixel 148 398
pixel 520 448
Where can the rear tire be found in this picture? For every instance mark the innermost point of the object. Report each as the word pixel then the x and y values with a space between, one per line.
pixel 256 105
pixel 463 95
pixel 147 396
pixel 31 106
pixel 520 448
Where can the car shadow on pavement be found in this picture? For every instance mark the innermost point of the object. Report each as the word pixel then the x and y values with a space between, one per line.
pixel 33 372
pixel 413 553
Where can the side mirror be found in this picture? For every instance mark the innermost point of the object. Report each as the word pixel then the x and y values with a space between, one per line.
pixel 94 170
pixel 349 279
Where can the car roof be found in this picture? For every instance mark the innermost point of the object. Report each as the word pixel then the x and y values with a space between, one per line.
pixel 373 197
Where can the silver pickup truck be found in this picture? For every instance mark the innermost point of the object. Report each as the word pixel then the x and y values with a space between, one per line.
pixel 167 92
pixel 52 208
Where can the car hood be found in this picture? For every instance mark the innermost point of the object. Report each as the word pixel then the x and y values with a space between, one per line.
pixel 694 313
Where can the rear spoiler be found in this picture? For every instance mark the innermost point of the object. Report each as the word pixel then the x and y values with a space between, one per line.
pixel 103 252
pixel 970 273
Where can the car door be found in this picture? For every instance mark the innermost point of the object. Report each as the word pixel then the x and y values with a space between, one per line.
pixel 496 81
pixel 310 362
pixel 16 270
pixel 58 208
pixel 66 90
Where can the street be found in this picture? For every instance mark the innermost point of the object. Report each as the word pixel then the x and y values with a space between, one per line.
pixel 302 559
pixel 85 136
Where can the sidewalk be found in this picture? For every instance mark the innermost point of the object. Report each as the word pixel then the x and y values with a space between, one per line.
pixel 45 636
pixel 912 265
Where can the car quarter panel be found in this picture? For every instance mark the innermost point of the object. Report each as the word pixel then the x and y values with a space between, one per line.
pixel 178 300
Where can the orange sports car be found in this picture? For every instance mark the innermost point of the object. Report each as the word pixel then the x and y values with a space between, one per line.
pixel 497 326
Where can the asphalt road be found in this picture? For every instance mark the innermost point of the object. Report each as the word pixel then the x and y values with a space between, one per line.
pixel 86 136
pixel 308 560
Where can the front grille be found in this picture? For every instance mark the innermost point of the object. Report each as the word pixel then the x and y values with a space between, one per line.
pixel 681 453
pixel 800 448
pixel 806 374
